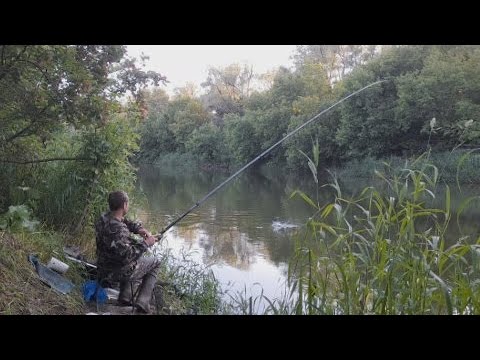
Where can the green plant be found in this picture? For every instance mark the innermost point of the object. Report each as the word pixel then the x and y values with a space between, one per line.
pixel 18 218
pixel 386 252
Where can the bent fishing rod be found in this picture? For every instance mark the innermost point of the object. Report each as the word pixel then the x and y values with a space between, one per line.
pixel 202 200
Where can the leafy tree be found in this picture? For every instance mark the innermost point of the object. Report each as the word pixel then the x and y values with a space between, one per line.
pixel 42 87
pixel 227 88
pixel 207 144
pixel 338 60
pixel 368 125
pixel 240 135
pixel 156 100
pixel 185 115
pixel 55 99
pixel 447 90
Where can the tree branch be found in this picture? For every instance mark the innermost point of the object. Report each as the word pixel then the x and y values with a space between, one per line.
pixel 9 66
pixel 21 132
pixel 46 160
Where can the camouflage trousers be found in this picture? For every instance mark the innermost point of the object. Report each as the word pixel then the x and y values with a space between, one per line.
pixel 145 265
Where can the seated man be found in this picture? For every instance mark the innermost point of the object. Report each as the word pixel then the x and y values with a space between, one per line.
pixel 119 256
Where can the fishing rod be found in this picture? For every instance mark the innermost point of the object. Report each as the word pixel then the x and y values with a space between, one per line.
pixel 202 200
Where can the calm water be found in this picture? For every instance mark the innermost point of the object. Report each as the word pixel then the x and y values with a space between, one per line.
pixel 245 231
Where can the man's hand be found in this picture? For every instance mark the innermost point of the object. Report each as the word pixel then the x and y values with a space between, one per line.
pixel 145 233
pixel 150 240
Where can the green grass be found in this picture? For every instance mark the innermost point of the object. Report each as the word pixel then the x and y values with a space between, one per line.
pixel 385 252
pixel 186 286
pixel 21 291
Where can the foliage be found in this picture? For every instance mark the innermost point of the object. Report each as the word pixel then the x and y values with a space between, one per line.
pixel 74 193
pixel 386 252
pixel 425 85
pixel 17 218
pixel 227 88
pixel 207 144
pixel 64 134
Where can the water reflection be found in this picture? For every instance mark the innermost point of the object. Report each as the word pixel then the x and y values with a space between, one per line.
pixel 232 232
pixel 232 226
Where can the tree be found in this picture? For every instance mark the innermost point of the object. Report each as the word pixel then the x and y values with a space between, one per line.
pixel 54 92
pixel 338 60
pixel 156 100
pixel 368 125
pixel 156 137
pixel 188 115
pixel 240 135
pixel 447 89
pixel 207 144
pixel 42 87
pixel 190 90
pixel 227 88
pixel 287 87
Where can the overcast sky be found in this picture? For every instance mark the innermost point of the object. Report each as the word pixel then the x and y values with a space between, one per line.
pixel 189 63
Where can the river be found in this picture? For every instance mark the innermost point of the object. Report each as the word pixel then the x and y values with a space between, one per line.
pixel 245 232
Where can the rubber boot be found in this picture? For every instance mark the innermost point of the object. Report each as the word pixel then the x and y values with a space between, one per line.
pixel 125 298
pixel 145 293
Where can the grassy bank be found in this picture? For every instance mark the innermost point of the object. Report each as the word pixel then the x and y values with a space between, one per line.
pixel 21 291
pixel 184 287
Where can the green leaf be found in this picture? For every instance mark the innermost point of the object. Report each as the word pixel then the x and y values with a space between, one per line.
pixel 316 153
pixel 447 203
pixel 445 292
pixel 304 197
pixel 460 162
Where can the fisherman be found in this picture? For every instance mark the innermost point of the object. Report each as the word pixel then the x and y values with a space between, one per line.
pixel 121 258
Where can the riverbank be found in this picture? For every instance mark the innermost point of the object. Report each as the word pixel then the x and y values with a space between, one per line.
pixel 21 291
pixel 182 288
pixel 460 165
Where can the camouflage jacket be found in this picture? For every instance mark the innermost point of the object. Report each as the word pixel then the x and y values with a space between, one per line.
pixel 117 251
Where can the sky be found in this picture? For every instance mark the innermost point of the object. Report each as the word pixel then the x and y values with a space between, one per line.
pixel 189 63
